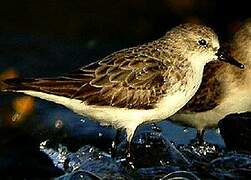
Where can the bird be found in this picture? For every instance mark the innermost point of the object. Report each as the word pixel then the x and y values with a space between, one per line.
pixel 224 89
pixel 141 84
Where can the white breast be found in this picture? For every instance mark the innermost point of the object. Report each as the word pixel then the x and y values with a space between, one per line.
pixel 128 118
pixel 131 118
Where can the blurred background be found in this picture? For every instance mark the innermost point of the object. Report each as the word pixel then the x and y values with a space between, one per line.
pixel 55 31
pixel 51 37
pixel 115 20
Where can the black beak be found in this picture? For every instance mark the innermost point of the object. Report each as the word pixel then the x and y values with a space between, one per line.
pixel 225 56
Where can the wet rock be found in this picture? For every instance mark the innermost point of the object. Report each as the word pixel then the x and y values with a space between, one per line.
pixel 154 158
pixel 200 152
pixel 181 175
pixel 58 156
pixel 91 163
pixel 231 166
pixel 88 161
pixel 200 155
pixel 156 172
pixel 155 127
pixel 236 131
pixel 151 149
pixel 93 160
pixel 79 175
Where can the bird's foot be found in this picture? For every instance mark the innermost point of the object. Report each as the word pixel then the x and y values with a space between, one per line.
pixel 199 140
pixel 121 151
pixel 124 156
pixel 118 145
pixel 129 161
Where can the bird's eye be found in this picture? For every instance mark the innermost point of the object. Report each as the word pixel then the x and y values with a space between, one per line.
pixel 202 42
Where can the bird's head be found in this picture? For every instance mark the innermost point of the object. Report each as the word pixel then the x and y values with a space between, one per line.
pixel 199 44
pixel 241 44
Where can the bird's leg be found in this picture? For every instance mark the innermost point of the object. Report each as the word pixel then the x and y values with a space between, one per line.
pixel 199 136
pixel 121 152
pixel 124 156
pixel 198 140
pixel 115 143
pixel 129 158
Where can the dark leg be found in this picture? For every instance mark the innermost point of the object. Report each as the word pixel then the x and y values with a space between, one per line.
pixel 199 136
pixel 122 154
pixel 129 158
pixel 122 150
pixel 115 143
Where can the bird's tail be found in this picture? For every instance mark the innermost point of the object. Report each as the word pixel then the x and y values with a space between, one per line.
pixel 13 84
pixel 3 86
pixel 61 86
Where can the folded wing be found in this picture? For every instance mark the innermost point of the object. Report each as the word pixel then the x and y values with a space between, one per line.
pixel 126 79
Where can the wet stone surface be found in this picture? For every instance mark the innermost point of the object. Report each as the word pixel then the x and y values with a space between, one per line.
pixel 154 157
pixel 91 161
pixel 154 150
pixel 236 131
pixel 232 165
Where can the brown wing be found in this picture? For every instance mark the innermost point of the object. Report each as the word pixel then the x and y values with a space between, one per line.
pixel 124 79
pixel 210 92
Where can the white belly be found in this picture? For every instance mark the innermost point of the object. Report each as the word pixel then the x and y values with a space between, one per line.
pixel 235 101
pixel 123 117
pixel 131 118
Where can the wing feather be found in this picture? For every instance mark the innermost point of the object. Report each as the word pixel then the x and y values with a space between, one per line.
pixel 128 78
pixel 210 92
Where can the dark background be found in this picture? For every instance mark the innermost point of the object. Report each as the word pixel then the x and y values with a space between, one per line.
pixel 120 20
pixel 51 37
pixel 60 35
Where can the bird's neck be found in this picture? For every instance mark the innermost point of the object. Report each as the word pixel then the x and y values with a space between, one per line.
pixel 196 73
pixel 197 64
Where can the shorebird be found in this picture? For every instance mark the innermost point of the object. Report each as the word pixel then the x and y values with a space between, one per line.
pixel 224 89
pixel 141 84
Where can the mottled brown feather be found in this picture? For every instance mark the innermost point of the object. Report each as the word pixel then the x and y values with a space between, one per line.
pixel 129 78
pixel 136 77
pixel 210 92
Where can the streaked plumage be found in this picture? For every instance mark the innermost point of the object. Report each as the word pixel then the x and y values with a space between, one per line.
pixel 146 83
pixel 224 89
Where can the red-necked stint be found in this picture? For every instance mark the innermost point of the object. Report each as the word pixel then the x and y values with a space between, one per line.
pixel 142 84
pixel 224 89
